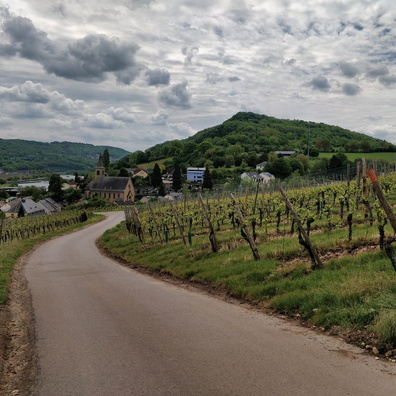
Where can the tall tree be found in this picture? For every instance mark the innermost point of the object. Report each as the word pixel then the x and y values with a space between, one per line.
pixel 176 178
pixel 106 158
pixel 55 187
pixel 161 189
pixel 207 180
pixel 156 178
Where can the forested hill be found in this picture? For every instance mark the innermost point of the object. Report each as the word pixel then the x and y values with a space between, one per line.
pixel 246 133
pixel 17 155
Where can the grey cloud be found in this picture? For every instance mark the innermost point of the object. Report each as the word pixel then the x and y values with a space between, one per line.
pixel 388 80
pixel 88 59
pixel 320 83
pixel 234 78
pixel 157 77
pixel 218 31
pixel 25 39
pixel 240 13
pixel 175 96
pixel 289 62
pixel 348 69
pixel 377 71
pixel 213 78
pixel 350 89
pixel 189 54
pixel 228 60
pixel 93 56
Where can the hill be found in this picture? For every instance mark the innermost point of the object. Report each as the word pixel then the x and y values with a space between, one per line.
pixel 246 135
pixel 18 154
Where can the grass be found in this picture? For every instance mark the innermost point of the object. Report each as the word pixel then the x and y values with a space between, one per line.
pixel 390 157
pixel 355 291
pixel 11 251
pixel 150 165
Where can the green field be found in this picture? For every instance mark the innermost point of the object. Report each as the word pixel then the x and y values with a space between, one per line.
pixel 390 157
pixel 150 165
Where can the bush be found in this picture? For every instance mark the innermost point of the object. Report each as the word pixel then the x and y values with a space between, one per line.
pixel 385 328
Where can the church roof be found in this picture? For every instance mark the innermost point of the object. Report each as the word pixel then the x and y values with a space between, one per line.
pixel 108 183
pixel 100 162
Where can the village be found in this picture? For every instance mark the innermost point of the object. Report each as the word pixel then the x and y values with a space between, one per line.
pixel 115 190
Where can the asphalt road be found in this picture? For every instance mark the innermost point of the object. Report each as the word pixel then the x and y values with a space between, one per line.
pixel 103 329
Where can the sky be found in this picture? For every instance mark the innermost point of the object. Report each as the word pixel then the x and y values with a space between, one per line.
pixel 135 73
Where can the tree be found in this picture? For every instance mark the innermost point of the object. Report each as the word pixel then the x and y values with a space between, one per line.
pixel 156 178
pixel 106 158
pixel 338 161
pixel 123 173
pixel 72 195
pixel 77 178
pixel 21 212
pixel 36 193
pixel 279 168
pixel 176 178
pixel 207 179
pixel 55 187
pixel 161 189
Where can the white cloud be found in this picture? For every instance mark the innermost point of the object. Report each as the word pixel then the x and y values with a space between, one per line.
pixel 100 72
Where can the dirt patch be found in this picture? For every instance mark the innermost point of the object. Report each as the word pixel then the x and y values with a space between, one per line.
pixel 17 338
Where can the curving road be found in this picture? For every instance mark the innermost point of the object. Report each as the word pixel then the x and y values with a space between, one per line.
pixel 103 329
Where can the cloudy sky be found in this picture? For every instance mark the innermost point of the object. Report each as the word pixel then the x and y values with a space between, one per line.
pixel 134 73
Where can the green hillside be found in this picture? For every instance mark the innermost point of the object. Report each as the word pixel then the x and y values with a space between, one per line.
pixel 17 155
pixel 248 137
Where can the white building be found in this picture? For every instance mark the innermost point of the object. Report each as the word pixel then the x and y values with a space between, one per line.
pixel 195 174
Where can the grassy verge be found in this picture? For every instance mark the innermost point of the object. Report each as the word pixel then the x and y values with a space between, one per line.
pixel 355 290
pixel 10 252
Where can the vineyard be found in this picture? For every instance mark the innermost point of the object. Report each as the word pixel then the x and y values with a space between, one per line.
pixel 327 212
pixel 324 254
pixel 27 227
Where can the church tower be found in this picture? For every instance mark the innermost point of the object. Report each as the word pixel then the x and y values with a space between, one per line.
pixel 100 170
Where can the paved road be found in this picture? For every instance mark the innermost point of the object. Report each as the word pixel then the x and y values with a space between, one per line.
pixel 106 330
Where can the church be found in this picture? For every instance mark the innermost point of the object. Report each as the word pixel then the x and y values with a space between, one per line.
pixel 111 188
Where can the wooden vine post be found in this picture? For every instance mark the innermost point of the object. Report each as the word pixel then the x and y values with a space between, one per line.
pixel 178 224
pixel 316 262
pixel 381 197
pixel 212 235
pixel 244 231
pixel 387 244
pixel 155 223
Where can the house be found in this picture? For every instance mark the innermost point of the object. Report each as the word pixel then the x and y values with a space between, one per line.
pixel 115 189
pixel 256 177
pixel 285 153
pixel 138 172
pixel 261 165
pixel 50 206
pixel 195 174
pixel 71 184
pixel 26 206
